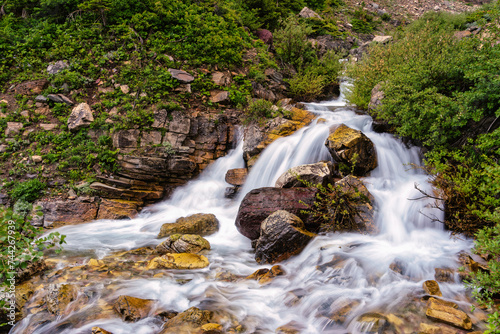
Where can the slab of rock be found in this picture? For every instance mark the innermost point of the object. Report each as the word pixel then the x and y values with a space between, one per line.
pixel 318 173
pixel 126 138
pixel 189 321
pixel 282 235
pixel 160 118
pixel 99 330
pixel 183 243
pixel 221 79
pixel 48 127
pixel 309 13
pixel 80 117
pixel 382 39
pixel 432 288
pixel 447 314
pixel 59 297
pixel 180 123
pixel 201 224
pixel 444 275
pixel 57 67
pixel 258 204
pixel 13 128
pixel 34 87
pixel 353 148
pixel 265 275
pixel 219 97
pixel 36 158
pixel 150 138
pixel 68 212
pixel 236 176
pixel 59 98
pixel 153 193
pixel 181 75
pixel 133 309
pixel 377 95
pixel 117 209
pixel 179 261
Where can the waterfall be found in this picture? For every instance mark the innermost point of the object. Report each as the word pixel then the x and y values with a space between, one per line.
pixel 309 296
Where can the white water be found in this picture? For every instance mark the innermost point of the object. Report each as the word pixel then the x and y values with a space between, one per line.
pixel 405 235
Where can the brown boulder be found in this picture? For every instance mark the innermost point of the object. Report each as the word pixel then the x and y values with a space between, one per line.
pixel 117 209
pixel 282 235
pixel 236 176
pixel 68 212
pixel 132 308
pixel 187 243
pixel 34 87
pixel 448 314
pixel 179 261
pixel 201 224
pixel 81 116
pixel 352 148
pixel 59 297
pixel 444 275
pixel 188 322
pixel 181 75
pixel 265 275
pixel 99 330
pixel 318 173
pixel 432 288
pixel 258 204
pixel 265 36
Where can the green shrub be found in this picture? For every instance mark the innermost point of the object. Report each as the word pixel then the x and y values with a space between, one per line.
pixel 28 191
pixel 259 110
pixel 306 87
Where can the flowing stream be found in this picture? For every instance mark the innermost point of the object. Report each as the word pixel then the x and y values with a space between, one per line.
pixel 363 283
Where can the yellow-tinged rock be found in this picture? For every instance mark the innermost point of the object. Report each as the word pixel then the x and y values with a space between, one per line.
pixel 394 320
pixel 212 328
pixel 302 116
pixel 132 308
pixel 447 314
pixel 99 330
pixel 432 288
pixel 179 261
pixel 429 329
pixel 93 263
pixel 23 294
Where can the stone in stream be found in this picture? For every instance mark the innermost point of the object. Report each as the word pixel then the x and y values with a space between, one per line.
pixel 352 148
pixel 200 223
pixel 319 173
pixel 282 235
pixel 446 312
pixel 259 203
pixel 265 275
pixel 178 261
pixel 132 308
pixel 186 243
pixel 444 275
pixel 99 330
pixel 432 288
pixel 189 321
pixel 237 176
pixel 59 297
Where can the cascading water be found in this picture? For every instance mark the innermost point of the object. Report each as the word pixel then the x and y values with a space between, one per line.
pixel 307 295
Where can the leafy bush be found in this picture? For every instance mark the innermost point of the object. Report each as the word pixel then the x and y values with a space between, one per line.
pixel 306 87
pixel 28 191
pixel 259 110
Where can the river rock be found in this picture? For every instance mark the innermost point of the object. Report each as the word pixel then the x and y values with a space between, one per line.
pixel 353 148
pixel 372 323
pixel 99 330
pixel 444 275
pixel 318 173
pixel 282 235
pixel 80 117
pixel 68 212
pixel 293 327
pixel 185 243
pixel 265 275
pixel 179 261
pixel 258 204
pixel 236 176
pixel 23 293
pixel 133 309
pixel 59 297
pixel 200 223
pixel 432 288
pixel 34 87
pixel 117 209
pixel 447 314
pixel 181 75
pixel 188 321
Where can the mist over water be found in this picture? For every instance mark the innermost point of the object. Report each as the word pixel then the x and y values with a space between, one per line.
pixel 407 234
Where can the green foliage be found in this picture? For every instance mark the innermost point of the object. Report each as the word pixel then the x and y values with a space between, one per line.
pixel 307 86
pixel 362 21
pixel 259 110
pixel 267 13
pixel 28 191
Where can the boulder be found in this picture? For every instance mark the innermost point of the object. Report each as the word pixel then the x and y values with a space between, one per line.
pixel 59 297
pixel 307 13
pixel 188 321
pixel 282 235
pixel 352 148
pixel 34 87
pixel 57 67
pixel 265 275
pixel 133 309
pixel 219 97
pixel 183 243
pixel 444 275
pixel 265 35
pixel 126 138
pixel 13 128
pixel 237 176
pixel 447 314
pixel 179 261
pixel 68 212
pixel 117 209
pixel 377 95
pixel 432 288
pixel 318 173
pixel 382 39
pixel 258 204
pixel 99 330
pixel 293 327
pixel 80 117
pixel 181 75
pixel 201 224
pixel 221 79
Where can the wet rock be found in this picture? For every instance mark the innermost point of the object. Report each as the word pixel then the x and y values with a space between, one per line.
pixel 293 327
pixel 212 328
pixel 13 128
pixel 57 67
pixel 282 235
pixel 353 148
pixel 231 192
pixel 34 87
pixel 444 275
pixel 181 75
pixel 219 97
pixel 32 269
pixel 80 117
pixel 382 39
pixel 398 266
pixel 372 323
pixel 133 309
pixel 59 297
pixel 258 204
pixel 307 13
pixel 117 209
pixel 447 314
pixel 153 193
pixel 432 288
pixel 236 176
pixel 23 293
pixel 68 212
pixel 377 95
pixel 179 261
pixel 340 309
pixel 201 224
pixel 99 330
pixel 186 243
pixel 318 173
pixel 188 321
pixel 265 275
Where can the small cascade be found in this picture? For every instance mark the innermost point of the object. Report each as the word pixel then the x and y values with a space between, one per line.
pixel 321 296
